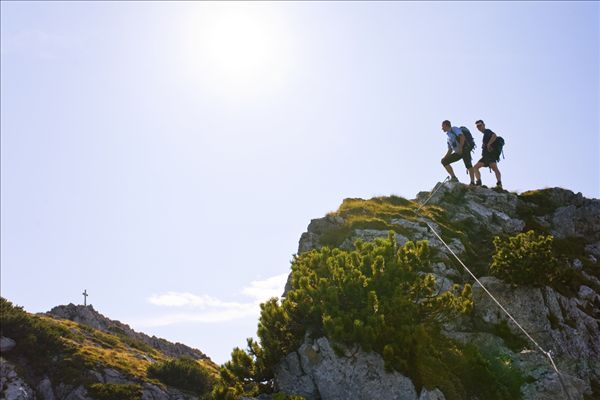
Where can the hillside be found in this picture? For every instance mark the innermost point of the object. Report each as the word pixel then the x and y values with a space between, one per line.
pixel 369 313
pixel 75 353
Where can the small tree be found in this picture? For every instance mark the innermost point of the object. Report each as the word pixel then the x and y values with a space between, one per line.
pixel 525 259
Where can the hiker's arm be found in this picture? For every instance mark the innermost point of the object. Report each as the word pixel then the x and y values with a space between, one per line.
pixel 492 140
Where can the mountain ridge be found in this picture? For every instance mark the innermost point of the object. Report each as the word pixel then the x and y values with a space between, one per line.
pixel 87 315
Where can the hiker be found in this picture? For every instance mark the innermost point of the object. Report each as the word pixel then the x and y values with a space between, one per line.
pixel 490 154
pixel 458 148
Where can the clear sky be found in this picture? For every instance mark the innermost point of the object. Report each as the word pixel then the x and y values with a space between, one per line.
pixel 167 156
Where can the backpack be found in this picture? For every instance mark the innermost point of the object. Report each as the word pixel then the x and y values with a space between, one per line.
pixel 498 147
pixel 468 138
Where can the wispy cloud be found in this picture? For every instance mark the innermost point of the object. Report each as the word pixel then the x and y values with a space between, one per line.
pixel 265 289
pixel 203 308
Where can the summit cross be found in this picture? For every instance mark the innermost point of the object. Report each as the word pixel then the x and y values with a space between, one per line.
pixel 85 295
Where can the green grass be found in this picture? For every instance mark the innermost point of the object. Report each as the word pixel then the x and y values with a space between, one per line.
pixel 377 213
pixel 112 391
pixel 65 350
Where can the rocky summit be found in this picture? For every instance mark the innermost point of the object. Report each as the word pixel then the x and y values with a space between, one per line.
pixel 563 318
pixel 88 316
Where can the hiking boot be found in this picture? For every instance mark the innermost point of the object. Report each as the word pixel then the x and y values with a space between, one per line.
pixel 454 179
pixel 472 183
pixel 499 185
pixel 478 182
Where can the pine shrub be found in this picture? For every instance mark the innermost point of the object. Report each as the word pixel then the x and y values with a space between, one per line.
pixel 525 259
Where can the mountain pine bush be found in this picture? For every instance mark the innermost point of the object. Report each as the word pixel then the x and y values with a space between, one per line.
pixel 379 297
pixel 525 259
pixel 183 373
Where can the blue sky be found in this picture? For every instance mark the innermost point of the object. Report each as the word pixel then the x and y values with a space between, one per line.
pixel 167 156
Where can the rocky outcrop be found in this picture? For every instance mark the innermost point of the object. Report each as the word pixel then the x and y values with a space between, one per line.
pixel 567 325
pixel 6 344
pixel 12 387
pixel 315 371
pixel 87 315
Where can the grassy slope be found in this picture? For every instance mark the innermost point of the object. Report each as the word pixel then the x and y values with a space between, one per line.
pixel 66 351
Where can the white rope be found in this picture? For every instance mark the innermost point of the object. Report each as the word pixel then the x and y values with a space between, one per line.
pixel 435 189
pixel 547 353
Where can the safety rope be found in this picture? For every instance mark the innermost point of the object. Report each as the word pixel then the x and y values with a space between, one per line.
pixel 546 353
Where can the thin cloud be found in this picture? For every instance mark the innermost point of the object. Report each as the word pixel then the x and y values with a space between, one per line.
pixel 212 309
pixel 265 289
pixel 183 299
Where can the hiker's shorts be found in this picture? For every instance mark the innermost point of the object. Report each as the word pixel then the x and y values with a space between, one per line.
pixel 488 158
pixel 465 156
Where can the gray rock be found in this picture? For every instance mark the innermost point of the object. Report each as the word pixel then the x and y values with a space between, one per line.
pixel 114 376
pixel 578 221
pixel 435 394
pixel 588 294
pixel 593 249
pixel 6 344
pixel 12 387
pixel 153 392
pixel 79 393
pixel 315 371
pixel 575 341
pixel 563 222
pixel 45 390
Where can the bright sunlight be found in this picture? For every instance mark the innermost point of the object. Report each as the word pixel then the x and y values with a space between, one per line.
pixel 239 50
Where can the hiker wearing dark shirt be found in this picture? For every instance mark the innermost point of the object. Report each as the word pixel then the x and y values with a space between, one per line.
pixel 489 154
pixel 458 149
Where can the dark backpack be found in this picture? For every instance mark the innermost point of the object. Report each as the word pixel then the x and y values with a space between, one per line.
pixel 498 147
pixel 468 138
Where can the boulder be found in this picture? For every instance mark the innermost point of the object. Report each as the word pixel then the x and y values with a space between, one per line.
pixel 6 344
pixel 315 371
pixel 12 387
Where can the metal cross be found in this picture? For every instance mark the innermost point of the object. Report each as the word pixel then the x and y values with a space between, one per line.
pixel 85 295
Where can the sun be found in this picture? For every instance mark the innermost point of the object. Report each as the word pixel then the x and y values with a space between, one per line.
pixel 237 48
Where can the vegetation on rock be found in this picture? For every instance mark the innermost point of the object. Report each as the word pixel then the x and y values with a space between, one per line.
pixel 66 352
pixel 378 297
pixel 525 259
pixel 114 391
pixel 183 373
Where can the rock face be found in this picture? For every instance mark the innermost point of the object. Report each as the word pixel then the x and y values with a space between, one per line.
pixel 12 387
pixel 566 324
pixel 87 315
pixel 316 372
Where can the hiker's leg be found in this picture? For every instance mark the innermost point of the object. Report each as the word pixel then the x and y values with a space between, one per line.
pixel 494 168
pixel 446 161
pixel 450 170
pixel 477 167
pixel 469 166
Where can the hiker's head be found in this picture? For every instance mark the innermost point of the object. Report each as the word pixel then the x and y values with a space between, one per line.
pixel 480 125
pixel 446 125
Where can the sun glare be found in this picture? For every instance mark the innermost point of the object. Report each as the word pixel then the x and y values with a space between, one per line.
pixel 237 49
